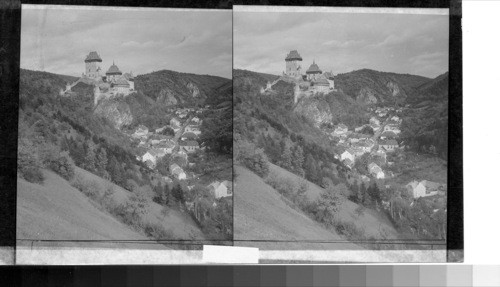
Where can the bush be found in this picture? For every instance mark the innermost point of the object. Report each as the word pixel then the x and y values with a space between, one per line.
pixel 253 158
pixel 157 231
pixel 88 187
pixel 28 164
pixel 63 165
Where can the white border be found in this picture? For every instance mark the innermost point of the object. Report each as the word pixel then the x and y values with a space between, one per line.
pixel 361 10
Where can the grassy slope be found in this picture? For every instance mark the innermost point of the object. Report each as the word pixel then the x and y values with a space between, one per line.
pixel 261 214
pixel 180 224
pixel 56 210
pixel 373 223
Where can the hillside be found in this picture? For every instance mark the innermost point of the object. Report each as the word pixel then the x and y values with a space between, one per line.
pixel 372 87
pixel 375 225
pixel 260 213
pixel 175 88
pixel 247 78
pixel 425 123
pixel 180 225
pixel 56 210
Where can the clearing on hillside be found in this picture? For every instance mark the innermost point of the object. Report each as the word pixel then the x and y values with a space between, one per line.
pixel 57 211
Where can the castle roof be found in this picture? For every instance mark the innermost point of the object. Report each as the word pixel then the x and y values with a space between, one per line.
pixel 121 82
pixel 322 81
pixel 113 70
pixel 313 69
pixel 93 57
pixel 293 55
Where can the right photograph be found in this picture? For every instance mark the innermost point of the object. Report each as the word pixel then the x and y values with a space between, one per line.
pixel 341 133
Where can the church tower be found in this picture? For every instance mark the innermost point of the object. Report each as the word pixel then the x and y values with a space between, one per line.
pixel 292 61
pixel 93 65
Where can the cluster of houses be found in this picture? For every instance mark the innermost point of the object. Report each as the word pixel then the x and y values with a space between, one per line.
pixel 186 126
pixel 355 143
pixel 157 144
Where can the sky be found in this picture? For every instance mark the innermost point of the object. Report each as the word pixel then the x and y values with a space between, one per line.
pixel 342 42
pixel 57 39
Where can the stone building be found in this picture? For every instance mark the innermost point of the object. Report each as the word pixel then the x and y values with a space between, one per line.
pixel 293 68
pixel 93 65
pixel 313 72
pixel 113 73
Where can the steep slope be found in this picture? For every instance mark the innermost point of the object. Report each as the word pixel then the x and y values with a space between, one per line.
pixel 374 224
pixel 425 123
pixel 171 88
pixel 57 211
pixel 260 213
pixel 180 225
pixel 245 78
pixel 371 87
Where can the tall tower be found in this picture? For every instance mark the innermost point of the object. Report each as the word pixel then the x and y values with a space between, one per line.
pixel 93 65
pixel 292 61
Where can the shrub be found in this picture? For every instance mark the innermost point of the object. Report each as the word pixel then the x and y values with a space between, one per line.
pixel 157 231
pixel 253 158
pixel 28 164
pixel 88 187
pixel 63 165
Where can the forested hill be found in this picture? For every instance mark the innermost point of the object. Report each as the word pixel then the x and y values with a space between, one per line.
pixel 246 79
pixel 425 123
pixel 175 88
pixel 369 86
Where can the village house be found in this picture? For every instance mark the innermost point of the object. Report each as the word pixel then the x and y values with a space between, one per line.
pixel 188 136
pixel 340 129
pixel 189 146
pixel 358 151
pixel 220 189
pixel 153 155
pixel 376 171
pixel 424 188
pixel 141 131
pixel 196 120
pixel 167 146
pixel 388 145
pixel 366 146
pixel 159 130
pixel 388 135
pixel 193 129
pixel 177 172
pixel 393 128
pixel 348 162
pixel 347 154
pixel 395 118
pixel 375 121
pixel 175 123
pixel 381 153
pixel 358 129
pixel 374 127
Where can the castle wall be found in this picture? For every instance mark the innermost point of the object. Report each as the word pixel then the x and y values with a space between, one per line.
pixel 92 69
pixel 292 68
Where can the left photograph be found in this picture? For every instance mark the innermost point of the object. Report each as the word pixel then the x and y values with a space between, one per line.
pixel 125 128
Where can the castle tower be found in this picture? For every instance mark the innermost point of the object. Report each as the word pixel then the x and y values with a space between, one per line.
pixel 113 73
pixel 93 65
pixel 313 72
pixel 292 61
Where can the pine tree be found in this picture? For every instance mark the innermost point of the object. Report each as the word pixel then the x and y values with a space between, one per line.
pixel 298 160
pixel 101 161
pixel 90 156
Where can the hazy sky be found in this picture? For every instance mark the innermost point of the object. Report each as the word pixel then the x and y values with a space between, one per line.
pixel 57 40
pixel 342 42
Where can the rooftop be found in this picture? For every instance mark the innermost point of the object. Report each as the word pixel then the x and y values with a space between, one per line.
pixel 293 55
pixel 113 70
pixel 313 69
pixel 93 57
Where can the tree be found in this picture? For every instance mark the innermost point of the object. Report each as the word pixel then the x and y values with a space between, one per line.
pixel 101 161
pixel 90 156
pixel 116 171
pixel 178 194
pixel 298 160
pixel 137 204
pixel 367 130
pixel 355 191
pixel 311 168
pixel 327 206
pixel 286 156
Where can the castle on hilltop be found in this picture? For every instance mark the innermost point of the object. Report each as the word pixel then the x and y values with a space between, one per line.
pixel 313 81
pixel 112 83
